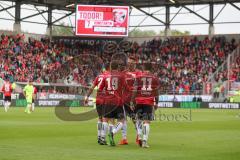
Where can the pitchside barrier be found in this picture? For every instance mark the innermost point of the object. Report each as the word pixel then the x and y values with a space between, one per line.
pixel 196 105
pixel 79 103
pixel 165 101
pixel 163 98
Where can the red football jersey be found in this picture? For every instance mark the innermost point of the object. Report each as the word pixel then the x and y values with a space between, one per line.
pixel 99 82
pixel 7 89
pixel 114 83
pixel 130 78
pixel 148 85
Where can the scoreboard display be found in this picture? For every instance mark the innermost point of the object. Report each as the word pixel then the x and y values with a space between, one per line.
pixel 102 21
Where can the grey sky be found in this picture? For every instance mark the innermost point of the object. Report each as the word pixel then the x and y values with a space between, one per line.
pixel 229 14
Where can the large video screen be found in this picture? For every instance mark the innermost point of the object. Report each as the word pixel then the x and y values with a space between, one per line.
pixel 104 21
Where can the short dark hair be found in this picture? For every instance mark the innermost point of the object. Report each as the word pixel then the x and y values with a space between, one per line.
pixel 114 65
pixel 107 66
pixel 147 66
pixel 122 57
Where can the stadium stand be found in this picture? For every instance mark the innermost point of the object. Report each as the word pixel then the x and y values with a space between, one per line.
pixel 235 73
pixel 182 63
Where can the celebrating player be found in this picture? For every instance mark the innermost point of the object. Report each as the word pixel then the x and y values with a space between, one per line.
pixel 113 84
pixel 7 91
pixel 113 108
pixel 130 76
pixel 146 101
pixel 101 126
pixel 28 92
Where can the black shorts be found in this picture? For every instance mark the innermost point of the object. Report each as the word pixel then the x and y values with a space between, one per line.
pixel 7 98
pixel 144 112
pixel 33 100
pixel 130 113
pixel 112 111
pixel 99 108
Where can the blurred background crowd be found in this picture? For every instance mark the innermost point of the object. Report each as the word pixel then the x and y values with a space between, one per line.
pixel 182 64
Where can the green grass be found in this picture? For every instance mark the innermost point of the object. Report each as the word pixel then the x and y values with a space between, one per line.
pixel 208 135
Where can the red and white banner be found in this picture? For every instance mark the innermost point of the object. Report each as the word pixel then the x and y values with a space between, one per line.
pixel 99 20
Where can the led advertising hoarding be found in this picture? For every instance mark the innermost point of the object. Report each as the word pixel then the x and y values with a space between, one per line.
pixel 104 21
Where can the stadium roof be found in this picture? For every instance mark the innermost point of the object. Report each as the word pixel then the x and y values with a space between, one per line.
pixel 69 6
pixel 61 4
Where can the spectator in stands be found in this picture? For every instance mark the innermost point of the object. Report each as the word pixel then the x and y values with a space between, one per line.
pixel 183 64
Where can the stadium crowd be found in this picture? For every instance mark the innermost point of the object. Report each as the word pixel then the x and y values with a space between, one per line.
pixel 235 71
pixel 182 64
pixel 185 63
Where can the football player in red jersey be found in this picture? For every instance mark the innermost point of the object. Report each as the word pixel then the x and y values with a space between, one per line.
pixel 114 85
pixel 130 77
pixel 146 101
pixel 7 91
pixel 102 127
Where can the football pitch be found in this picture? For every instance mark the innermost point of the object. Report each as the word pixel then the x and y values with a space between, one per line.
pixel 177 134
